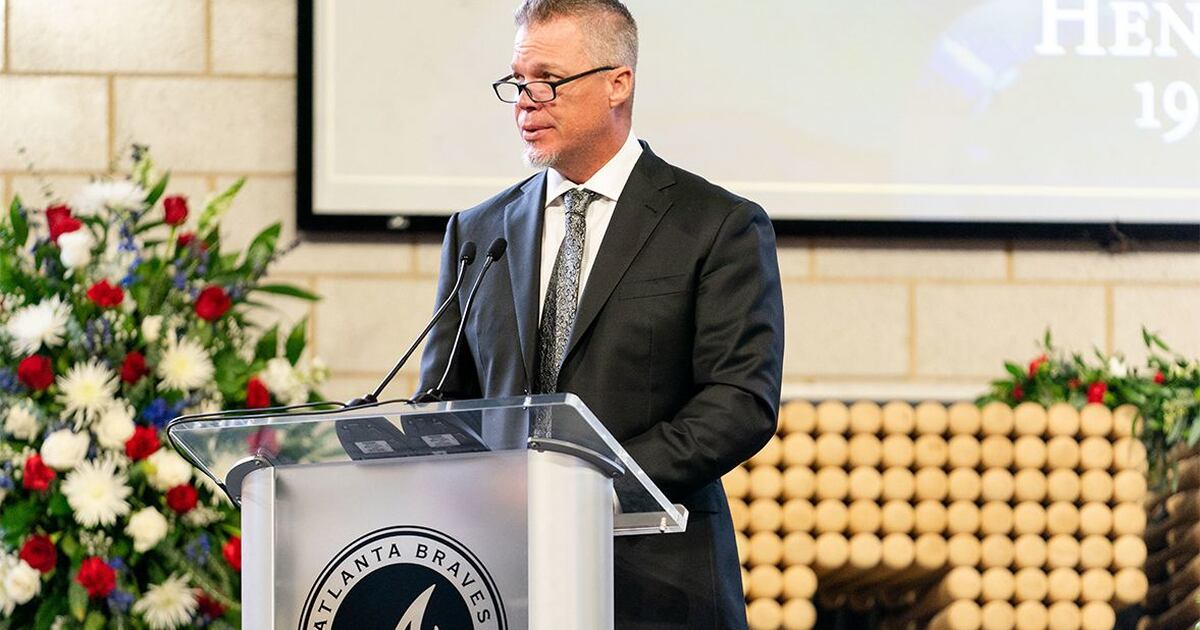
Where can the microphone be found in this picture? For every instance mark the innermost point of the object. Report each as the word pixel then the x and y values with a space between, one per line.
pixel 466 256
pixel 495 252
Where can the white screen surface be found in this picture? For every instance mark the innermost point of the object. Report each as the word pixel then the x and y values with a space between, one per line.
pixel 950 110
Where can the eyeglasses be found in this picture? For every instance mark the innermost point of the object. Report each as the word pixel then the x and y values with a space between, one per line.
pixel 538 91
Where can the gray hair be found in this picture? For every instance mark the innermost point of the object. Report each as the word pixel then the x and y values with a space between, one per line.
pixel 611 30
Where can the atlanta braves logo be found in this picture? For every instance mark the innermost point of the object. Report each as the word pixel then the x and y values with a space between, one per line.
pixel 404 578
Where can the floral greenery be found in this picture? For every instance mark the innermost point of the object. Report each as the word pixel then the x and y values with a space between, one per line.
pixel 113 320
pixel 1166 392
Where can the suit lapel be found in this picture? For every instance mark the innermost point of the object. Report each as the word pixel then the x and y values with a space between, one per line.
pixel 642 205
pixel 523 230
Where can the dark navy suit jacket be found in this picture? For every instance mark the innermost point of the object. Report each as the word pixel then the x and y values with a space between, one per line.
pixel 677 348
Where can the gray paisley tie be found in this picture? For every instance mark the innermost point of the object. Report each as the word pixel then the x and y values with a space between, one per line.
pixel 562 295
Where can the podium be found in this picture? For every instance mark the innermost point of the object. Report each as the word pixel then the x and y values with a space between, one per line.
pixel 483 514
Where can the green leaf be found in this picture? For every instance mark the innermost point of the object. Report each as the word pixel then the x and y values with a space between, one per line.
pixel 1015 370
pixel 158 190
pixel 95 621
pixel 19 225
pixel 146 227
pixel 288 290
pixel 16 518
pixel 294 346
pixel 217 207
pixel 1193 434
pixel 261 249
pixel 78 598
pixel 59 505
pixel 268 344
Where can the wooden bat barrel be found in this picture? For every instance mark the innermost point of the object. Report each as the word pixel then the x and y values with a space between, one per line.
pixel 899 418
pixel 865 449
pixel 996 451
pixel 963 418
pixel 833 417
pixel 1029 484
pixel 799 449
pixel 898 451
pixel 931 418
pixel 1062 420
pixel 866 418
pixel 766 482
pixel 798 416
pixel 799 482
pixel 1029 418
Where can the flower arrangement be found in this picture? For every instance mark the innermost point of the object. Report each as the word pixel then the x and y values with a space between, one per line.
pixel 1166 392
pixel 114 318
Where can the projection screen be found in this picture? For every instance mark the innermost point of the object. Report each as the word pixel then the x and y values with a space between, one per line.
pixel 1059 111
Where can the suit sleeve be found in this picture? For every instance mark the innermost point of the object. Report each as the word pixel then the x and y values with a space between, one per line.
pixel 463 380
pixel 737 362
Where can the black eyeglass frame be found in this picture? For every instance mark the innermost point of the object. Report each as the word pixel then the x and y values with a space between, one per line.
pixel 554 85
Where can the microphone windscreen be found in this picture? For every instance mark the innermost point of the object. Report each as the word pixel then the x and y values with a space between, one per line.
pixel 467 253
pixel 496 249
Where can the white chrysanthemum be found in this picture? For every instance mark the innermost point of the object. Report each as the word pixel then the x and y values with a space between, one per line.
pixel 279 376
pixel 22 582
pixel 119 195
pixel 147 526
pixel 7 604
pixel 185 365
pixel 115 426
pixel 21 423
pixel 42 323
pixel 87 389
pixel 166 469
pixel 167 605
pixel 151 328
pixel 96 491
pixel 65 449
pixel 76 248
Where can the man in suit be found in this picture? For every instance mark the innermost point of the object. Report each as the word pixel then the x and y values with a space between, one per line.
pixel 647 291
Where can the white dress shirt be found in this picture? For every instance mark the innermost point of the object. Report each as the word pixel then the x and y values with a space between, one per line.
pixel 609 181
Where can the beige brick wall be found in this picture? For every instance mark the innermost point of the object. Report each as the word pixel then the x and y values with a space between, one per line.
pixel 209 85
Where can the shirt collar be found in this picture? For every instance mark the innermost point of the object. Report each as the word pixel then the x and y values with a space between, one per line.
pixel 608 181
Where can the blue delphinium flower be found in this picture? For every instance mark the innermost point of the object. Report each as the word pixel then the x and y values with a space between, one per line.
pixel 8 381
pixel 119 601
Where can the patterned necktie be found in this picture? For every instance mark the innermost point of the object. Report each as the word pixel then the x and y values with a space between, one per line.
pixel 562 295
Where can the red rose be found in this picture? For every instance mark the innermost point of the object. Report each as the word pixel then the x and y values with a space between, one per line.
pixel 257 395
pixel 1160 378
pixel 1096 392
pixel 37 474
pixel 143 443
pixel 60 221
pixel 36 372
pixel 40 553
pixel 212 303
pixel 134 367
pixel 232 552
pixel 1037 363
pixel 1018 392
pixel 105 295
pixel 182 498
pixel 97 577
pixel 176 209
pixel 263 440
pixel 187 239
pixel 209 607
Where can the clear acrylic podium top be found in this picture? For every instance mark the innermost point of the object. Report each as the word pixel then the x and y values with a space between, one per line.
pixel 222 444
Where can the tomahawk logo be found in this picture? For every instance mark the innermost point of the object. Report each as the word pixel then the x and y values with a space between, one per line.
pixel 404 578
pixel 414 617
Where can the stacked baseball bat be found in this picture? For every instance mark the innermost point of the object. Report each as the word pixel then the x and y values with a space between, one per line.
pixel 1173 539
pixel 952 517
